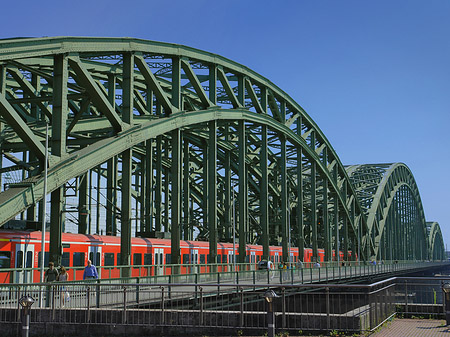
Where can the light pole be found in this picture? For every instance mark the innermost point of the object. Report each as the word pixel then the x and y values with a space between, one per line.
pixel 289 233
pixel 44 209
pixel 26 302
pixel 269 295
pixel 446 290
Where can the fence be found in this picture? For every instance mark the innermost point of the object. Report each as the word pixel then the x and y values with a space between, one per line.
pixel 307 307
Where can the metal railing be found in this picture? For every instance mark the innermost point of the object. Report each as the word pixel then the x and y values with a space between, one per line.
pixel 307 307
pixel 295 273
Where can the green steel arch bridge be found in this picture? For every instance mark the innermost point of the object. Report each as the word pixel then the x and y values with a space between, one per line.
pixel 147 138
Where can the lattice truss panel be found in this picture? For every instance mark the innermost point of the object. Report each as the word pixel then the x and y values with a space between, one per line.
pixel 148 138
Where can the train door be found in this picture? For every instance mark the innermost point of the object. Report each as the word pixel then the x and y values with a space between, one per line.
pixel 230 257
pixel 277 259
pixel 95 255
pixel 194 260
pixel 24 259
pixel 159 261
pixel 252 259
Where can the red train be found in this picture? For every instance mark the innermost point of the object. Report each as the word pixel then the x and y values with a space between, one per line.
pixel 22 250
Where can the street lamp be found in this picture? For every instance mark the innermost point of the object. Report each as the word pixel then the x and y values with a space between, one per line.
pixel 26 302
pixel 446 290
pixel 269 295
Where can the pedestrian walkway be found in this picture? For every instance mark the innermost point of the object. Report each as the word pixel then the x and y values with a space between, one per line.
pixel 413 328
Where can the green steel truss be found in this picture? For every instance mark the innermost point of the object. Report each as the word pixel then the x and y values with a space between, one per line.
pixel 149 138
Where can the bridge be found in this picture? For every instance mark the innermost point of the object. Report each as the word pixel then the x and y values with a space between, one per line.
pixel 149 138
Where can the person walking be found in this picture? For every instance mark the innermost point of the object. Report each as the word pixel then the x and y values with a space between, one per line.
pixel 90 272
pixel 50 275
pixel 64 293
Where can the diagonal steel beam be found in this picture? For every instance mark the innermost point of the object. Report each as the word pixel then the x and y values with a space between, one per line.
pixel 153 83
pixel 97 97
pixel 196 83
pixel 21 128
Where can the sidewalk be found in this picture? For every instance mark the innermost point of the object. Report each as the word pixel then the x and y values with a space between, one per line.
pixel 413 328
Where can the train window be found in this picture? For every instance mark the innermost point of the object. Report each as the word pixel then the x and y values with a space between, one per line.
pixel 5 259
pixel 185 258
pixel 46 259
pixel 147 259
pixel 202 258
pixel 109 259
pixel 224 259
pixel 247 259
pixel 65 260
pixel 19 259
pixel 118 259
pixel 78 259
pixel 137 259
pixel 168 259
pixel 207 258
pixel 29 260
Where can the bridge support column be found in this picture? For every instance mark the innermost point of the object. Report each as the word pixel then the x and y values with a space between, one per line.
pixel 175 198
pixel 264 194
pixel 242 146
pixel 59 118
pixel 212 191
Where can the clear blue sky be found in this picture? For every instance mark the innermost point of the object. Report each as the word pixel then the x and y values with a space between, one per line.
pixel 374 75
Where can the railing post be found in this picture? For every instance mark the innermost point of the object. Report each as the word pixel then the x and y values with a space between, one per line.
pixel 162 306
pixel 97 291
pixel 406 296
pixel 201 306
pixel 137 290
pixel 242 306
pixel 88 304
pixel 124 313
pixel 283 307
pixel 327 290
pixel 53 296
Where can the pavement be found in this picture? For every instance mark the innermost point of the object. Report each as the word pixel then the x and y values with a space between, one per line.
pixel 413 328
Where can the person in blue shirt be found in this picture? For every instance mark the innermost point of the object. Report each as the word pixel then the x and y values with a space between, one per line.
pixel 90 272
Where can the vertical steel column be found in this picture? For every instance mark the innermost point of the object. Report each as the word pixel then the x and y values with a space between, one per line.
pixel 175 197
pixel 284 201
pixel 35 113
pixel 82 204
pixel 345 223
pixel 127 159
pixel 242 197
pixel 299 218
pixel 58 148
pixel 158 184
pixel 111 169
pixel 337 241
pixel 315 253
pixel 264 194
pixel 148 182
pixel 97 215
pixel 167 227
pixel 213 83
pixel 228 207
pixel 188 233
pixel 325 220
pixel 264 189
pixel 212 189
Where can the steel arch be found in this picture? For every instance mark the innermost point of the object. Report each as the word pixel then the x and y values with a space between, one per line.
pixel 394 210
pixel 435 241
pixel 177 131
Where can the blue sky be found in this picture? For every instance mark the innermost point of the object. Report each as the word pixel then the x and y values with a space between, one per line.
pixel 374 75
